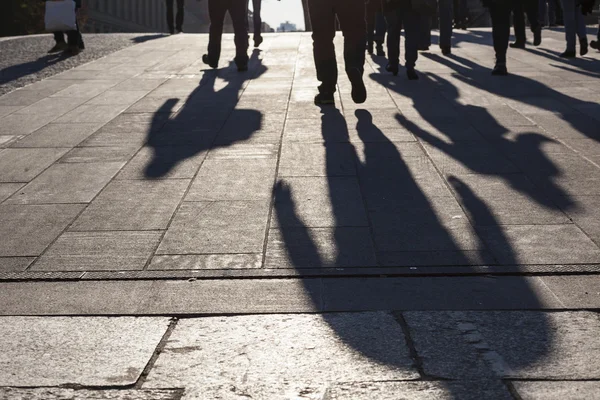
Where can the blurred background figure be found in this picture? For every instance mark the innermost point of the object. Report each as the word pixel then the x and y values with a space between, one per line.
pixel 574 28
pixel 256 5
pixel 461 14
pixel 399 14
pixel 178 20
pixel 531 8
pixel 376 27
pixel 550 13
pixel 74 43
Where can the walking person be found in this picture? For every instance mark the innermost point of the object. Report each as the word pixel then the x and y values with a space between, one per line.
pixel 256 6
pixel 550 12
pixel 500 12
pixel 574 27
pixel 351 16
pixel 74 43
pixel 238 10
pixel 445 12
pixel 398 14
pixel 461 14
pixel 178 20
pixel 531 8
pixel 376 27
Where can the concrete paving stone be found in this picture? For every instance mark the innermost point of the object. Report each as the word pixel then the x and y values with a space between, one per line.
pixel 133 206
pixel 156 105
pixel 195 139
pixel 427 390
pixel 99 154
pixel 99 251
pixel 386 118
pixel 426 238
pixel 586 214
pixel 50 107
pixel 570 126
pixel 434 258
pixel 575 292
pixel 317 159
pixel 67 183
pixel 22 165
pixel 118 97
pixel 15 264
pixel 243 151
pixel 227 227
pixel 505 200
pixel 22 98
pixel 540 244
pixel 139 83
pixel 28 230
pixel 241 119
pixel 18 124
pixel 467 345
pixel 265 357
pixel 469 157
pixel 587 147
pixel 317 202
pixel 59 135
pixel 331 129
pixel 72 394
pixel 77 351
pixel 164 162
pixel 131 123
pixel 558 390
pixel 7 190
pixel 83 90
pixel 7 140
pixel 235 179
pixel 92 113
pixel 206 261
pixel 319 247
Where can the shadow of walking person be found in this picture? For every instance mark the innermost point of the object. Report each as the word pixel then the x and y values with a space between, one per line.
pixel 193 130
pixel 412 219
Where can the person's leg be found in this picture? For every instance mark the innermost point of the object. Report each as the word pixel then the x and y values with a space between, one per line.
pixel 581 31
pixel 256 5
pixel 238 10
pixel 393 39
pixel 533 15
pixel 380 28
pixel 542 11
pixel 411 32
pixel 424 31
pixel 519 24
pixel 559 12
pixel 60 44
pixel 170 16
pixel 445 11
pixel 551 13
pixel 568 7
pixel 216 12
pixel 370 19
pixel 322 17
pixel 351 14
pixel 500 14
pixel 180 15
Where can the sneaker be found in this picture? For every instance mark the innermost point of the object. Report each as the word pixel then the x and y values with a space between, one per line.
pixel 537 36
pixel 58 47
pixel 380 51
pixel 359 91
pixel 324 99
pixel 500 69
pixel 568 54
pixel 208 62
pixel 257 41
pixel 72 50
pixel 594 44
pixel 446 50
pixel 392 68
pixel 583 46
pixel 411 74
pixel 517 45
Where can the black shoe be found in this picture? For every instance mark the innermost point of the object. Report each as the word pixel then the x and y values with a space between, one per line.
pixel 208 62
pixel 359 91
pixel 423 48
pixel 258 40
pixel 500 69
pixel 392 68
pixel 411 74
pixel 171 31
pixel 517 45
pixel 446 50
pixel 81 46
pixel 179 31
pixel 595 45
pixel 58 47
pixel 568 54
pixel 380 51
pixel 72 50
pixel 537 36
pixel 583 46
pixel 324 99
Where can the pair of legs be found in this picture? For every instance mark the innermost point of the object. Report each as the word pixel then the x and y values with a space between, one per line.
pixel 178 20
pixel 445 12
pixel 397 18
pixel 531 8
pixel 550 12
pixel 256 5
pixel 74 41
pixel 376 27
pixel 500 13
pixel 238 10
pixel 461 13
pixel 574 27
pixel 351 16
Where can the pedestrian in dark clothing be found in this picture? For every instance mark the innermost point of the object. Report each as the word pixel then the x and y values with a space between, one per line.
pixel 575 27
pixel 179 19
pixel 550 12
pixel 238 10
pixel 398 14
pixel 500 12
pixel 256 5
pixel 376 27
pixel 461 14
pixel 351 16
pixel 531 8
pixel 74 43
pixel 445 13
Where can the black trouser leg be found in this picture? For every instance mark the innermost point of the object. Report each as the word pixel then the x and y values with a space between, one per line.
pixel 411 34
pixel 351 14
pixel 59 37
pixel 180 15
pixel 238 10
pixel 519 22
pixel 170 17
pixel 322 16
pixel 370 13
pixel 393 40
pixel 500 14
pixel 256 5
pixel 74 37
pixel 216 12
pixel 533 14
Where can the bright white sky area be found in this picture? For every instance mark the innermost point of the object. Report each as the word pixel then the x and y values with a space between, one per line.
pixel 275 12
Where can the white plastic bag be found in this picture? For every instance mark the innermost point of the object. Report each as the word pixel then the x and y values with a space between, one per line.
pixel 60 16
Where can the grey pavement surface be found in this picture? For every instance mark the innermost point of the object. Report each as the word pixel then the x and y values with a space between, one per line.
pixel 173 232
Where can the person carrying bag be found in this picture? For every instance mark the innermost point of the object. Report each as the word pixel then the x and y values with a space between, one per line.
pixel 61 18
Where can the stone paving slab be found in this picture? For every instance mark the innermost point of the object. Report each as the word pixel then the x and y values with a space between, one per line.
pixel 80 394
pixel 77 351
pixel 558 390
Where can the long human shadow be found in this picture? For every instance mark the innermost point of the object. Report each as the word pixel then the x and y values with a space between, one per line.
pixel 402 219
pixel 507 87
pixel 588 66
pixel 197 126
pixel 18 71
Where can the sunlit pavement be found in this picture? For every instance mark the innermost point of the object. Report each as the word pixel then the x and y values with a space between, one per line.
pixel 167 230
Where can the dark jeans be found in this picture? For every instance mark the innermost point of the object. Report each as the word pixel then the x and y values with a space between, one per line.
pixel 500 13
pixel 351 16
pixel 74 38
pixel 424 26
pixel 396 19
pixel 238 10
pixel 520 8
pixel 376 26
pixel 256 4
pixel 179 20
